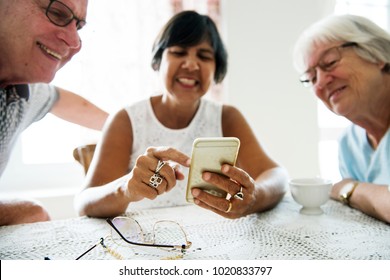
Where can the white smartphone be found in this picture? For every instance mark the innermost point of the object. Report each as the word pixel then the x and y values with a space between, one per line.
pixel 208 154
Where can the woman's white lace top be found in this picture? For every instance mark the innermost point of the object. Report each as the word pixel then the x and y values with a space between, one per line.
pixel 148 131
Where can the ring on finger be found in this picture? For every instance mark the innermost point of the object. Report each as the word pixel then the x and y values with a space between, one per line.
pixel 239 195
pixel 160 165
pixel 230 207
pixel 155 180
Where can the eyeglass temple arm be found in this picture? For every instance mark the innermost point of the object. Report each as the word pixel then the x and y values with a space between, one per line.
pixel 90 249
pixel 109 221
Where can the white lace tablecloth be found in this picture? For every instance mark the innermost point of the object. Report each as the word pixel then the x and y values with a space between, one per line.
pixel 282 233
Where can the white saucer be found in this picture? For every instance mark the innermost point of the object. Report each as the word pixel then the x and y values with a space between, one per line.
pixel 311 211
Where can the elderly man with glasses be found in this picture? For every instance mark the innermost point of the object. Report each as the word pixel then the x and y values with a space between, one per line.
pixel 37 38
pixel 345 60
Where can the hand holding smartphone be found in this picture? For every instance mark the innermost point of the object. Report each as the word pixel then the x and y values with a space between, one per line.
pixel 208 154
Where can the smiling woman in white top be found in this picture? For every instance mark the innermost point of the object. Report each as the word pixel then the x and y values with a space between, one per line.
pixel 188 54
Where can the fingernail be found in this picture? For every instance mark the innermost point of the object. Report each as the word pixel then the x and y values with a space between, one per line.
pixel 206 176
pixel 195 192
pixel 225 168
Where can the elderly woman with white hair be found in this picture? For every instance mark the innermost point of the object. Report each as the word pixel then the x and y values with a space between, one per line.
pixel 346 61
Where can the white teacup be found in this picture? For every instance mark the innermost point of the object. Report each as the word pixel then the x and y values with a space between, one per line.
pixel 311 193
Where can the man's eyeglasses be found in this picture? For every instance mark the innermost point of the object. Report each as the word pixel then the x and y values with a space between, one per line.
pixel 126 231
pixel 61 15
pixel 327 62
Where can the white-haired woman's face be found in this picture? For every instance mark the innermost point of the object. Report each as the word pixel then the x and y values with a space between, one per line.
pixel 342 80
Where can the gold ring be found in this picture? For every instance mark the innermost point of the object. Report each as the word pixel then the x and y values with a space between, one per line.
pixel 230 207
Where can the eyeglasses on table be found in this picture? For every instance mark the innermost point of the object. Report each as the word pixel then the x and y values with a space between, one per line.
pixel 126 231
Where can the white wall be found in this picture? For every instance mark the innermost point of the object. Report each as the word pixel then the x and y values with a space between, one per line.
pixel 263 83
